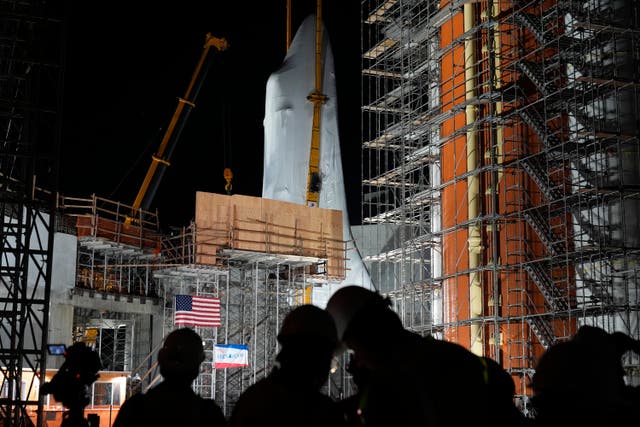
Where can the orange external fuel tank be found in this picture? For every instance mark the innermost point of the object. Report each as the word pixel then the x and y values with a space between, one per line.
pixel 488 199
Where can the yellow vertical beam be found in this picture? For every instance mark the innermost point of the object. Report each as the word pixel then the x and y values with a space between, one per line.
pixel 318 99
pixel 473 185
pixel 493 154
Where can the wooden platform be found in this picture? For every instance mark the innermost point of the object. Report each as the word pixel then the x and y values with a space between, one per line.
pixel 96 227
pixel 268 226
pixel 107 223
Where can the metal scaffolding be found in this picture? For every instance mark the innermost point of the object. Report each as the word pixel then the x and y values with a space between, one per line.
pixel 256 291
pixel 115 295
pixel 501 139
pixel 400 152
pixel 31 62
pixel 128 274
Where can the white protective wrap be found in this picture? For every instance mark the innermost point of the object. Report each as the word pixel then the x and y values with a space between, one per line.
pixel 287 140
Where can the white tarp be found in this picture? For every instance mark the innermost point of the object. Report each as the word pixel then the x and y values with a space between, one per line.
pixel 287 142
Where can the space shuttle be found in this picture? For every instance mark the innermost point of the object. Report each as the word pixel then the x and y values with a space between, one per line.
pixel 287 142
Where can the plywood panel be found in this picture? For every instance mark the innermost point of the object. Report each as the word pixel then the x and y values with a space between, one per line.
pixel 336 248
pixel 268 226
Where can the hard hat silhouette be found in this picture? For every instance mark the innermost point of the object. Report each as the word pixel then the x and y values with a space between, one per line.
pixel 308 321
pixel 347 301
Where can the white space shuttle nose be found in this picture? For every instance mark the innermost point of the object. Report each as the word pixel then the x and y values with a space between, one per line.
pixel 287 137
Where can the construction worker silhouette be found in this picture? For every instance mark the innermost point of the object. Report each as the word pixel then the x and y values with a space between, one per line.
pixel 173 402
pixel 406 379
pixel 290 395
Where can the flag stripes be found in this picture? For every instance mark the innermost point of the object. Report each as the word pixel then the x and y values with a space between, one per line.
pixel 197 311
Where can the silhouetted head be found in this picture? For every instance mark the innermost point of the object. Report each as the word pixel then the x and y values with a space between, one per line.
pixel 366 325
pixel 308 322
pixel 181 355
pixel 347 301
pixel 582 375
pixel 308 339
pixel 501 385
pixel 500 391
pixel 362 316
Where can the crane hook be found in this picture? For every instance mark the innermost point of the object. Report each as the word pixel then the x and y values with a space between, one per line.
pixel 228 176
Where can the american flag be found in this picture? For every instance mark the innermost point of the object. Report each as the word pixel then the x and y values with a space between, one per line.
pixel 197 311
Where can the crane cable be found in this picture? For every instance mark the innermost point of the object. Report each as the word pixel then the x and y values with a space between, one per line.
pixel 226 143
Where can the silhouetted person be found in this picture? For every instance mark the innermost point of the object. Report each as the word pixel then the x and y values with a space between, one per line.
pixel 406 379
pixel 501 393
pixel 173 402
pixel 581 381
pixel 290 395
pixel 350 405
pixel 71 385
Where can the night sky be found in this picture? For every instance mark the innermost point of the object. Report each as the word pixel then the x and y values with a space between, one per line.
pixel 128 62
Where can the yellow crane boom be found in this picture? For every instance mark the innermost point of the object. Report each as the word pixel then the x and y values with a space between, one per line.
pixel 161 159
pixel 318 99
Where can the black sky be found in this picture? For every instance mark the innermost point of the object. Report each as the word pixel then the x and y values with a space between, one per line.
pixel 127 62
